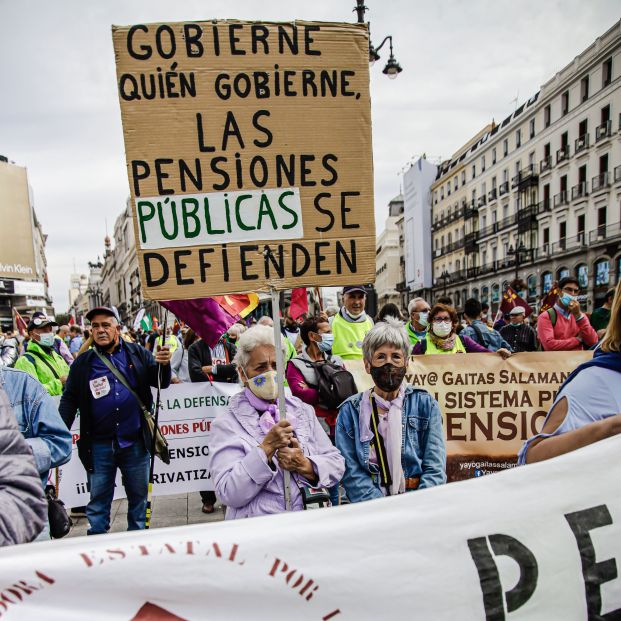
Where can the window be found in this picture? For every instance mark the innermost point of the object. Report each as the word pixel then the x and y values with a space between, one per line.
pixel 531 159
pixel 435 198
pixel 505 175
pixel 547 116
pixel 582 274
pixel 474 171
pixel 493 156
pixel 475 293
pixel 495 293
pixel 532 286
pixel 605 114
pixel 483 164
pixel 532 128
pixel 602 273
pixel 564 140
pixel 601 222
pixel 582 174
pixel 584 88
pixel 603 164
pixel 442 193
pixel 505 147
pixel 456 183
pixel 606 72
pixel 546 236
pixel 546 282
pixel 485 295
pixel 518 138
pixel 463 177
pixel 518 166
pixel 580 227
pixel 562 272
pixel 494 217
pixel 583 128
pixel 564 103
pixel 562 234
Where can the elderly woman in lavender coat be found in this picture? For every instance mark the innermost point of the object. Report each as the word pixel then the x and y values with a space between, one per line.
pixel 251 447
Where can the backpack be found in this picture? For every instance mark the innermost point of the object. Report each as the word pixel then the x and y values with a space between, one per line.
pixel 334 384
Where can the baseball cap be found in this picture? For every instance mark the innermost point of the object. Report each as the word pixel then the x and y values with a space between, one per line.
pixel 40 320
pixel 352 288
pixel 517 310
pixel 101 310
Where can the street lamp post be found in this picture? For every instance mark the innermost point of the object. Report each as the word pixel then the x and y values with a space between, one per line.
pixel 392 68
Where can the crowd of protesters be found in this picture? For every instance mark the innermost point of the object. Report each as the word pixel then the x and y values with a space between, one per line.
pixel 337 444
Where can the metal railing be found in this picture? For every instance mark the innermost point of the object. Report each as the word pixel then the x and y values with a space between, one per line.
pixel 603 131
pixel 545 164
pixel 579 191
pixel 562 198
pixel 562 154
pixel 605 233
pixel 581 144
pixel 617 173
pixel 503 188
pixel 600 182
pixel 492 195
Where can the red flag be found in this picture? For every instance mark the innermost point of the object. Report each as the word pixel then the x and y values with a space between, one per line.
pixel 20 325
pixel 550 298
pixel 510 299
pixel 71 320
pixel 299 303
pixel 156 323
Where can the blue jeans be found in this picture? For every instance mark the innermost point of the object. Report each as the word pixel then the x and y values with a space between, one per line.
pixel 133 462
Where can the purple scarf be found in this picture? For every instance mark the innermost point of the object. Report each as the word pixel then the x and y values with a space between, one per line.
pixel 269 414
pixel 391 431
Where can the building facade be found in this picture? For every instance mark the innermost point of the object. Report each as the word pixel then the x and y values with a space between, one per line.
pixel 388 253
pixel 23 264
pixel 538 196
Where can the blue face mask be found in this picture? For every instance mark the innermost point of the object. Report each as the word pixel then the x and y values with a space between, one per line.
pixel 327 340
pixel 423 318
pixel 566 298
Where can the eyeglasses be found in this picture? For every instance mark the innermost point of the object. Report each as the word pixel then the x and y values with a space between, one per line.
pixel 441 319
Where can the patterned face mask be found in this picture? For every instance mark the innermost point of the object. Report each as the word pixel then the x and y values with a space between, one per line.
pixel 263 386
pixel 388 377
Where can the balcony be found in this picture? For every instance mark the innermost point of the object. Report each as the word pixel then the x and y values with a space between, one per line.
pixel 544 206
pixel 562 198
pixel 482 201
pixel 546 164
pixel 562 155
pixel 600 182
pixel 579 191
pixel 488 230
pixel 605 233
pixel 471 242
pixel 503 188
pixel 492 195
pixel 617 172
pixel 527 218
pixel 469 213
pixel 525 178
pixel 568 244
pixel 603 131
pixel 581 144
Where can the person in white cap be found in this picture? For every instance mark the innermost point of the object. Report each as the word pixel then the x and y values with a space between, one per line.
pixel 518 334
pixel 351 324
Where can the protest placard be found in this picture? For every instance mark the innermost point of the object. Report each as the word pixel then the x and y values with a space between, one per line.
pixel 489 405
pixel 248 151
pixel 538 542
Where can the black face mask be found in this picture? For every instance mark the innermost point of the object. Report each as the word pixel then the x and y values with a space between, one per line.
pixel 388 377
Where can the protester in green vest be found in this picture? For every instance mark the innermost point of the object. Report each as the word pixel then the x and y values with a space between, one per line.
pixel 418 310
pixel 351 324
pixel 442 337
pixel 40 359
pixel 171 341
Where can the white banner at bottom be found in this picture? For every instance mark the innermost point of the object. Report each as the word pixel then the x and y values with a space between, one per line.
pixel 185 419
pixel 535 542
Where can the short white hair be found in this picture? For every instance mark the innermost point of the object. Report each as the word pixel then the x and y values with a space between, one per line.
pixel 413 304
pixel 250 339
pixel 236 329
pixel 266 320
pixel 391 331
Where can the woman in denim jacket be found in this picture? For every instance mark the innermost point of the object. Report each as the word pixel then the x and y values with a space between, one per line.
pixel 407 452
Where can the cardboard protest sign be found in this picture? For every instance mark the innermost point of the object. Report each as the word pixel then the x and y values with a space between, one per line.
pixel 248 151
pixel 536 542
pixel 185 420
pixel 489 405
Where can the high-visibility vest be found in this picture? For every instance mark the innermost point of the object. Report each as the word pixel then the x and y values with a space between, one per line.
pixel 458 348
pixel 171 341
pixel 414 338
pixel 348 337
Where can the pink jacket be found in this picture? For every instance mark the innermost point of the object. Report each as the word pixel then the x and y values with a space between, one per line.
pixel 244 481
pixel 564 335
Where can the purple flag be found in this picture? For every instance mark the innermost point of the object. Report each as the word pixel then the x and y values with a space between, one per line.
pixel 204 315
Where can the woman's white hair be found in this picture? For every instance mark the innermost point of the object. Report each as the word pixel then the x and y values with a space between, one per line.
pixel 251 338
pixel 391 331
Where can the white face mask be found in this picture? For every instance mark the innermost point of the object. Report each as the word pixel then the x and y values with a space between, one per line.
pixel 263 386
pixel 46 339
pixel 423 318
pixel 355 315
pixel 442 329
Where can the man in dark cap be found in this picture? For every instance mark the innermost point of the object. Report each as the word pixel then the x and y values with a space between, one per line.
pixel 41 359
pixel 111 384
pixel 351 324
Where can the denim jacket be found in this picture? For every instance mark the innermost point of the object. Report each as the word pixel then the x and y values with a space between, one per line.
pixel 423 453
pixel 492 339
pixel 38 419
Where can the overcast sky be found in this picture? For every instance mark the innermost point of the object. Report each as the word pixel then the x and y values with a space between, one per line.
pixel 464 61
